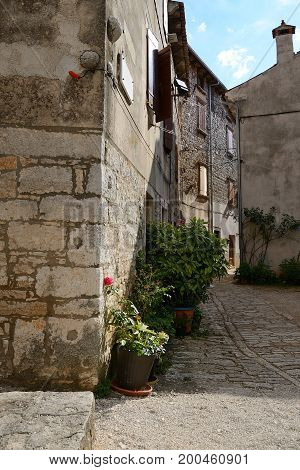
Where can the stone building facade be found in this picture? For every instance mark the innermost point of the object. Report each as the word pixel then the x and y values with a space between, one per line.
pixel 268 108
pixel 80 156
pixel 208 158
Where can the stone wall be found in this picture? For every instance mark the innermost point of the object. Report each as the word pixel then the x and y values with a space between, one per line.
pixel 51 214
pixel 195 150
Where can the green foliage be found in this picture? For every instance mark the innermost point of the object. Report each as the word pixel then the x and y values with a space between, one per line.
pixel 290 270
pixel 259 274
pixel 130 331
pixel 163 364
pixel 187 257
pixel 103 389
pixel 260 229
pixel 152 298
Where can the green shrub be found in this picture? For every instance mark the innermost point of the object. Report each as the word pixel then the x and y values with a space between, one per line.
pixel 290 270
pixel 151 298
pixel 103 389
pixel 187 257
pixel 259 274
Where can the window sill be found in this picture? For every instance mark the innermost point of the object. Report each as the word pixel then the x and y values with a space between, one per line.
pixel 201 131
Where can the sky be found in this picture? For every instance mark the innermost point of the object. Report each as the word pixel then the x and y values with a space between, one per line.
pixel 234 37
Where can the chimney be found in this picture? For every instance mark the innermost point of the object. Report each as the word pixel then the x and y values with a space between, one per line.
pixel 284 40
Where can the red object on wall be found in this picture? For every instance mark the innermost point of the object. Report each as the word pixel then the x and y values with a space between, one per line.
pixel 74 75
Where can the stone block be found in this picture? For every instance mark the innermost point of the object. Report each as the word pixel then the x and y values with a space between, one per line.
pixel 18 210
pixel 3 269
pixel 70 209
pixel 28 346
pixel 102 181
pixel 82 308
pixel 47 421
pixel 84 245
pixel 75 349
pixel 79 180
pixel 34 143
pixel 42 180
pixel 8 163
pixel 40 237
pixel 22 309
pixel 8 185
pixel 67 282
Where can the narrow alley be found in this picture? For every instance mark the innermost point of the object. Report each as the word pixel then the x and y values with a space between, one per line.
pixel 239 387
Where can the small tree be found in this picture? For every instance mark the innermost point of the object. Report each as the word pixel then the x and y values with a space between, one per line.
pixel 260 229
pixel 187 257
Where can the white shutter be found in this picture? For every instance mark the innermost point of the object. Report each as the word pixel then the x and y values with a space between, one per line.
pixel 202 180
pixel 202 117
pixel 152 60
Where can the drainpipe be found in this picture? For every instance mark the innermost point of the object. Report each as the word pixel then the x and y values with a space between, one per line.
pixel 210 165
pixel 240 201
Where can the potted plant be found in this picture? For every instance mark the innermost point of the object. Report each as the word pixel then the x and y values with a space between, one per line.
pixel 137 345
pixel 188 257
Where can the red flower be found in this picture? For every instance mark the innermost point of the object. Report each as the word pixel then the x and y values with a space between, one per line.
pixel 108 281
pixel 74 75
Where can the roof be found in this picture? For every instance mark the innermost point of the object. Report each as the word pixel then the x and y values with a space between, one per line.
pixel 180 52
pixel 209 72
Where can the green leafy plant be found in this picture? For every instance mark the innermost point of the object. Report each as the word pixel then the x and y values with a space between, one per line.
pixel 187 257
pixel 103 389
pixel 259 274
pixel 260 228
pixel 290 270
pixel 152 298
pixel 130 331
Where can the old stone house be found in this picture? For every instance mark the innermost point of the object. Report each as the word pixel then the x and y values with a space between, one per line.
pixel 84 162
pixel 268 108
pixel 208 159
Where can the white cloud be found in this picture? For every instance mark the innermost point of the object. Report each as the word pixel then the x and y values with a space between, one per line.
pixel 287 2
pixel 237 59
pixel 202 27
pixel 229 30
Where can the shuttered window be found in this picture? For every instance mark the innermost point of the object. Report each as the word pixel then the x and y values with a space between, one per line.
pixel 152 68
pixel 163 106
pixel 202 181
pixel 201 116
pixel 230 141
pixel 231 194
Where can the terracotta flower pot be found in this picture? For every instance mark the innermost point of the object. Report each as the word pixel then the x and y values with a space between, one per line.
pixel 132 371
pixel 184 320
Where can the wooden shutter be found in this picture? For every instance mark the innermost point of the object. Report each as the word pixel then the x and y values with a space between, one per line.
pixel 163 107
pixel 230 141
pixel 168 137
pixel 202 180
pixel 231 194
pixel 152 68
pixel 202 116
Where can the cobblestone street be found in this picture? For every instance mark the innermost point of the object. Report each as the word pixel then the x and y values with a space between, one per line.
pixel 237 388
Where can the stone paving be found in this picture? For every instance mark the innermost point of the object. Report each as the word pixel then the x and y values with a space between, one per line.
pixel 251 344
pixel 237 388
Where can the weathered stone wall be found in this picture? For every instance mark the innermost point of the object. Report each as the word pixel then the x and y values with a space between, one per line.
pixel 51 213
pixel 195 149
pixel 269 141
pixel 76 162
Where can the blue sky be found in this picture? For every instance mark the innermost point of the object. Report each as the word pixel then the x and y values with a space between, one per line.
pixel 232 36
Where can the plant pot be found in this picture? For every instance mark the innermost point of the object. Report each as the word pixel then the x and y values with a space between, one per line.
pixel 184 320
pixel 132 370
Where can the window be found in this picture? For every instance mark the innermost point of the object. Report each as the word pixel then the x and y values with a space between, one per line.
pixel 152 68
pixel 217 232
pixel 150 208
pixel 202 189
pixel 231 194
pixel 200 81
pixel 166 16
pixel 159 93
pixel 230 141
pixel 201 116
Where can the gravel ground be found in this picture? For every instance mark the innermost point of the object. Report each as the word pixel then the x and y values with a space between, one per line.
pixel 239 388
pixel 199 421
